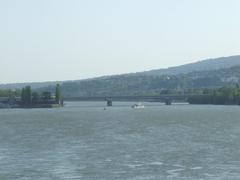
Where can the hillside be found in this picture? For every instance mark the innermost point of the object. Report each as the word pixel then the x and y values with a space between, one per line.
pixel 204 74
pixel 205 65
pixel 151 85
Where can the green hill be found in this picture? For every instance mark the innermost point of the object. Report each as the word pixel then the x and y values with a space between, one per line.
pixel 151 85
pixel 212 73
pixel 205 65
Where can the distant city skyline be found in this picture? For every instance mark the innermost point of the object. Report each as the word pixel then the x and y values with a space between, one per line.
pixel 52 40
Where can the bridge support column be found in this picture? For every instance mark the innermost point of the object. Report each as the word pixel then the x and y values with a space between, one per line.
pixel 109 102
pixel 168 101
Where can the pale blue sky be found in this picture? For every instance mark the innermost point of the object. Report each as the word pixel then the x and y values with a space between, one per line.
pixel 43 40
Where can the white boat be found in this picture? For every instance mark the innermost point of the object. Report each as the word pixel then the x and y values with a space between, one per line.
pixel 138 106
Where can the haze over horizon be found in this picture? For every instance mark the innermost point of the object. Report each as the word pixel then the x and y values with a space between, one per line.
pixel 52 40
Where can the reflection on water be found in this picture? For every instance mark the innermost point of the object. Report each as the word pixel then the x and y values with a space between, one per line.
pixel 82 141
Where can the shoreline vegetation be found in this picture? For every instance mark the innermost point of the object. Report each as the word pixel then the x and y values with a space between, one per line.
pixel 26 98
pixel 221 96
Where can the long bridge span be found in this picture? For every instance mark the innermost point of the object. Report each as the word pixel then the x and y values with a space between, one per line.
pixel 167 99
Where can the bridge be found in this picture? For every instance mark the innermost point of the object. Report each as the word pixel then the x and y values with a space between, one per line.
pixel 167 99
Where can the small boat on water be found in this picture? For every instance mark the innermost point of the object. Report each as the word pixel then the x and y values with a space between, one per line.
pixel 138 106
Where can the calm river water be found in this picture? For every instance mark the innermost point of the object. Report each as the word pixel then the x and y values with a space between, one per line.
pixel 84 141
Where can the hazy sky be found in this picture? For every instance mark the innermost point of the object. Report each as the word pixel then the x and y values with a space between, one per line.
pixel 74 39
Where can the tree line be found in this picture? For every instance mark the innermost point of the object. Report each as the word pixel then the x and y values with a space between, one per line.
pixel 29 97
pixel 220 96
pixel 9 93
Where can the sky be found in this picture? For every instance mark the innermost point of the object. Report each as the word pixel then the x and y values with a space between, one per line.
pixel 46 40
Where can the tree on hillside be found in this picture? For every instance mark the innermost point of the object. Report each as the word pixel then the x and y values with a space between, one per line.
pixel 26 95
pixel 58 94
pixel 23 96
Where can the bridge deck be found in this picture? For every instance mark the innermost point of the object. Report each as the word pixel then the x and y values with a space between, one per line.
pixel 162 98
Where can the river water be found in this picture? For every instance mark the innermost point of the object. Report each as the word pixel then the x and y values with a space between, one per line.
pixel 84 141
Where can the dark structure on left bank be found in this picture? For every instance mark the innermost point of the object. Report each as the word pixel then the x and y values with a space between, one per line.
pixel 31 99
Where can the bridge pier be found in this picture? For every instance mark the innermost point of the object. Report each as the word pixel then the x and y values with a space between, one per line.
pixel 109 102
pixel 168 101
